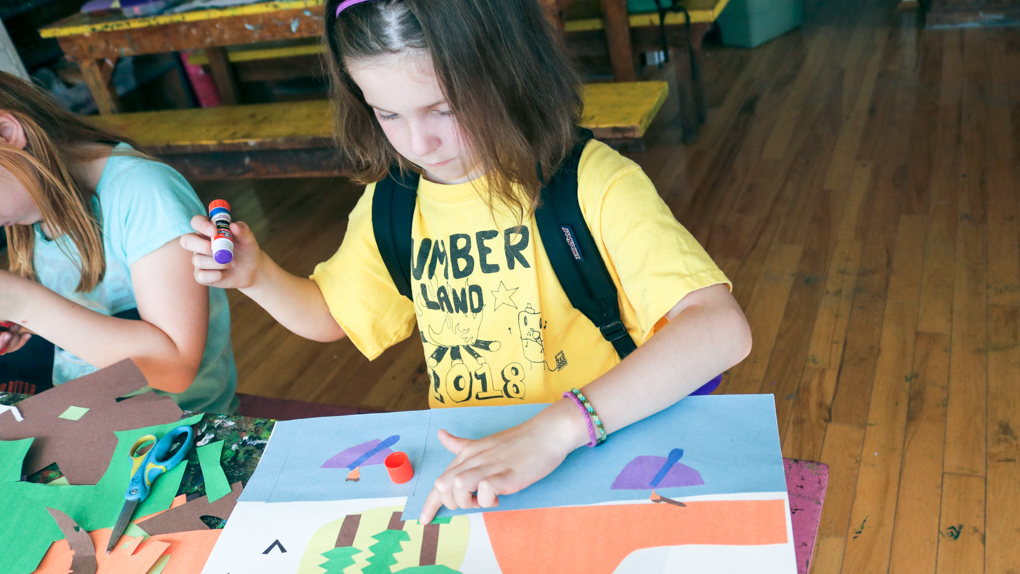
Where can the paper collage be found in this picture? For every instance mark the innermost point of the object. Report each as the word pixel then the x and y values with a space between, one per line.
pixel 88 432
pixel 699 487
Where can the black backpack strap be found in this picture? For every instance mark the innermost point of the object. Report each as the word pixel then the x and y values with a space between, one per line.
pixel 392 215
pixel 575 257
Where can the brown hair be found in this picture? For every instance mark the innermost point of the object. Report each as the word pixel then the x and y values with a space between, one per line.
pixel 56 140
pixel 506 77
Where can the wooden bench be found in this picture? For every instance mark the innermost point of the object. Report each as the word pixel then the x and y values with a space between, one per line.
pixel 294 139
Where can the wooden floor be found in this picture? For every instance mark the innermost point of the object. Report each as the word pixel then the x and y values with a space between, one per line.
pixel 857 179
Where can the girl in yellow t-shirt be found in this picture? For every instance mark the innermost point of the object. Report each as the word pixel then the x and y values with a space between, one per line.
pixel 474 95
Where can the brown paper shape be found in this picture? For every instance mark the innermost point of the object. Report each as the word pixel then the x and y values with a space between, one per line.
pixel 83 448
pixel 84 560
pixel 188 516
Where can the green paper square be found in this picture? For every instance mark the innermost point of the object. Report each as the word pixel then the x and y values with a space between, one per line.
pixel 74 413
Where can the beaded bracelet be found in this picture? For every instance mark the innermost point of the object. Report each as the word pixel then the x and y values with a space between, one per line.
pixel 587 417
pixel 593 417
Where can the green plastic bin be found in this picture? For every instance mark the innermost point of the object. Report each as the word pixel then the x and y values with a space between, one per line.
pixel 750 23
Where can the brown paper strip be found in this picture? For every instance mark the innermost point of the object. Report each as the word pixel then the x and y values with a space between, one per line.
pixel 188 516
pixel 84 559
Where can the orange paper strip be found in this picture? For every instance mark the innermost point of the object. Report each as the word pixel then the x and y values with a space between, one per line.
pixel 596 539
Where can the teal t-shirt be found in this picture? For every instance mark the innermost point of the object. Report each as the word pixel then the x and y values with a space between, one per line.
pixel 142 204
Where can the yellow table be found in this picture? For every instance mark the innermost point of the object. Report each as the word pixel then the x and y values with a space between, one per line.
pixel 96 41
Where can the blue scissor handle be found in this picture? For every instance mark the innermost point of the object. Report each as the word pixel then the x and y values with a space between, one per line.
pixel 147 467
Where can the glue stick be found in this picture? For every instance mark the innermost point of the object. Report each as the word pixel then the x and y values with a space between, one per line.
pixel 223 241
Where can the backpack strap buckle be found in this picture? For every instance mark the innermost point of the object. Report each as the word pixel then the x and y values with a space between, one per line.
pixel 614 331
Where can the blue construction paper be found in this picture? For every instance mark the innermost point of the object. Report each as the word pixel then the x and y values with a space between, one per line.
pixel 731 440
pixel 292 467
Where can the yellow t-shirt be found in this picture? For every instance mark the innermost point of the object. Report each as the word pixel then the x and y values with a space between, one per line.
pixel 496 325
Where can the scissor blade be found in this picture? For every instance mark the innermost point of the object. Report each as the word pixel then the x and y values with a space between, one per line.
pixel 121 525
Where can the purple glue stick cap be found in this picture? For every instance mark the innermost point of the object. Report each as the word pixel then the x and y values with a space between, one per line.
pixel 223 256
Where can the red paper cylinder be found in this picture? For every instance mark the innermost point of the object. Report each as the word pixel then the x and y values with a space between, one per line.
pixel 399 467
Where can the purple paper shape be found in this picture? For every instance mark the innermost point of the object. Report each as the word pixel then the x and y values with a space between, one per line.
pixel 639 473
pixel 344 458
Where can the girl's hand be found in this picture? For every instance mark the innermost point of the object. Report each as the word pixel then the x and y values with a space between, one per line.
pixel 506 462
pixel 12 337
pixel 239 273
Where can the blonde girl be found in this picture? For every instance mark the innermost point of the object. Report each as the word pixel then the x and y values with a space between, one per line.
pixel 95 265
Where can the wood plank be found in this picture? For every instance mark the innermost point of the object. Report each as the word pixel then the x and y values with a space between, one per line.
pixel 940 252
pixel 851 133
pixel 842 452
pixel 772 292
pixel 878 482
pixel 961 525
pixel 828 337
pixel 853 395
pixel 905 280
pixel 966 418
pixel 804 436
pixel 1003 215
pixel 828 554
pixel 1002 522
pixel 914 549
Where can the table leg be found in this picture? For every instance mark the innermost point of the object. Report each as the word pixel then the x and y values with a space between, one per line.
pixel 698 32
pixel 97 75
pixel 223 76
pixel 685 91
pixel 617 26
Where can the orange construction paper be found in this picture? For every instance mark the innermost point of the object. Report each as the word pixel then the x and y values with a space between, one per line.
pixel 596 539
pixel 188 553
pixel 131 556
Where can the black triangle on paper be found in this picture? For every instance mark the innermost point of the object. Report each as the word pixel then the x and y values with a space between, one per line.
pixel 275 544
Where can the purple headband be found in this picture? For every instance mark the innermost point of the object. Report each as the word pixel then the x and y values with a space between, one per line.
pixel 347 4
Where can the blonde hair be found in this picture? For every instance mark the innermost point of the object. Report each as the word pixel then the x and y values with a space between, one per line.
pixel 56 140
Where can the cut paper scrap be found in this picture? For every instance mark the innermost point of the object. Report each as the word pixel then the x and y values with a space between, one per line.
pixel 84 559
pixel 188 517
pixel 216 484
pixel 12 456
pixel 73 413
pixel 560 540
pixel 13 410
pixel 378 538
pixel 131 556
pixel 92 506
pixel 61 440
pixel 369 453
pixel 646 472
pixel 291 468
pixel 188 552
pixel 160 565
pixel 732 441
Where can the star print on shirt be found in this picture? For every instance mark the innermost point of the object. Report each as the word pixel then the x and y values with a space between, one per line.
pixel 504 296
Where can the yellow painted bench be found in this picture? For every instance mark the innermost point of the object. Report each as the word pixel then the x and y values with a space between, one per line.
pixel 294 139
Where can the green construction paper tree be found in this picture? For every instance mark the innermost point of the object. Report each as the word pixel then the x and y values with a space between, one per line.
pixel 91 506
pixel 12 455
pixel 384 551
pixel 338 558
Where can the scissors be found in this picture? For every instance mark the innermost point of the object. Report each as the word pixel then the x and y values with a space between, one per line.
pixel 144 470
